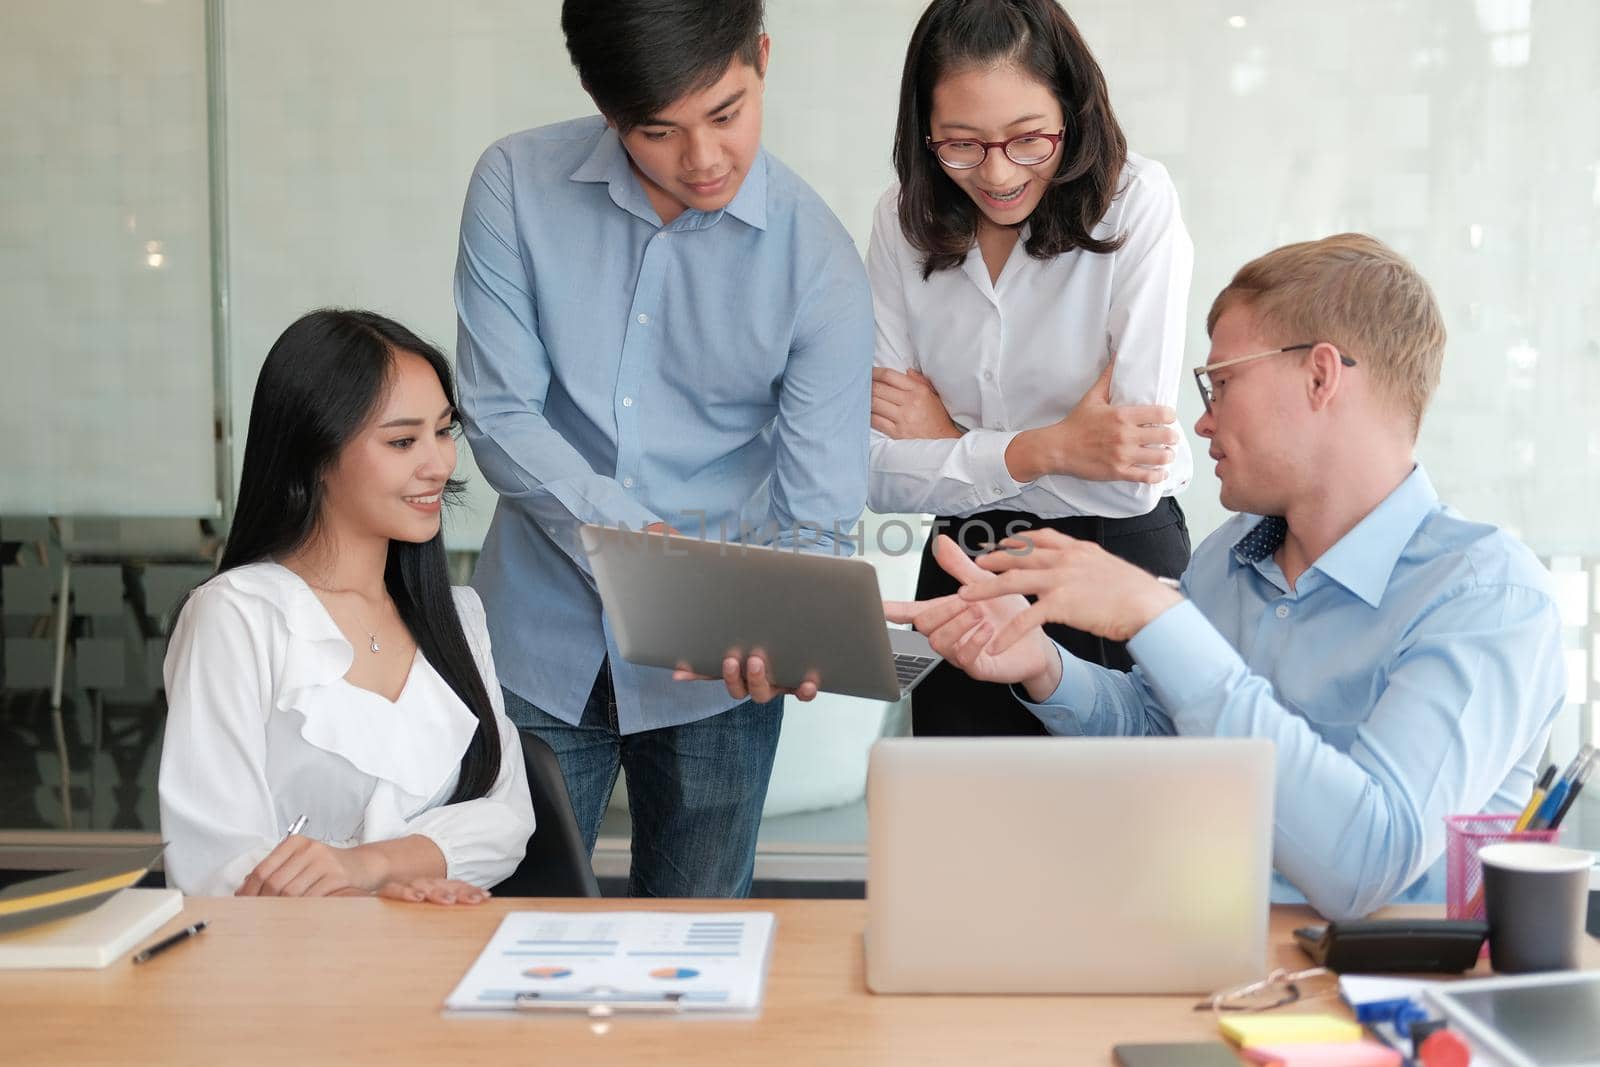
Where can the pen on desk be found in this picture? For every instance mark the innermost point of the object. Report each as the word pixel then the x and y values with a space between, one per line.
pixel 1572 793
pixel 1539 792
pixel 167 942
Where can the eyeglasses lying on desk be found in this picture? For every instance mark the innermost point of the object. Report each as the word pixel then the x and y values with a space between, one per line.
pixel 1274 991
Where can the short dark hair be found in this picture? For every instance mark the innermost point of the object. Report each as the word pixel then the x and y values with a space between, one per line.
pixel 636 57
pixel 1038 37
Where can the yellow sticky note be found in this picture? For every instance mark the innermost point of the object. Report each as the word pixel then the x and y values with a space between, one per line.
pixel 1248 1031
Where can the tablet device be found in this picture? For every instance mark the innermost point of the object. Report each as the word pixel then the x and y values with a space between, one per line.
pixel 674 601
pixel 1536 1020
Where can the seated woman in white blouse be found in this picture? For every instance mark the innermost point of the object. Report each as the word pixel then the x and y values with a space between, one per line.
pixel 1030 278
pixel 329 670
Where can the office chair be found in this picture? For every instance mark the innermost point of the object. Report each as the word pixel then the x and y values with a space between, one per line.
pixel 557 863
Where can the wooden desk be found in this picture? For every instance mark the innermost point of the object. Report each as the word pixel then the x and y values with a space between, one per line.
pixel 300 982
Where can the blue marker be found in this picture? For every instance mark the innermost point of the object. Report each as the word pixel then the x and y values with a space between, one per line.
pixel 1552 802
pixel 1399 1013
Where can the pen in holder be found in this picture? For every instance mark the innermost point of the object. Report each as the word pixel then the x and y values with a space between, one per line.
pixel 1465 835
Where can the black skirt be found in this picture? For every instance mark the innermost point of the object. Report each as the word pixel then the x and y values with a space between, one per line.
pixel 948 702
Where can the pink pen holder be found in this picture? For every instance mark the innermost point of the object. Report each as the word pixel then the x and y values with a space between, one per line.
pixel 1465 835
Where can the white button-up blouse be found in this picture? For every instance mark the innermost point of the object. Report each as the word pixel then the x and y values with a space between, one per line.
pixel 263 728
pixel 1020 353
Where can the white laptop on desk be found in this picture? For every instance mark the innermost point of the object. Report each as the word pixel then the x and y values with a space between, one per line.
pixel 1067 865
pixel 675 600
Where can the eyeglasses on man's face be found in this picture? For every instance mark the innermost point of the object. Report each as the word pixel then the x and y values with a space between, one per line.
pixel 1210 388
pixel 1025 150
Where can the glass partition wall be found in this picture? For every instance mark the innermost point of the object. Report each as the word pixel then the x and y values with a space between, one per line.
pixel 179 179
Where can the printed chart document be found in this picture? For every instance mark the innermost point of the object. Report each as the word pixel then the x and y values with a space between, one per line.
pixel 621 961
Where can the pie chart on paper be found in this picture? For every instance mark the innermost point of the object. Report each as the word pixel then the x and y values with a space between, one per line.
pixel 674 972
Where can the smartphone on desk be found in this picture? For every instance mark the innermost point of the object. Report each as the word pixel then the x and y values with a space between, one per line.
pixel 1177 1054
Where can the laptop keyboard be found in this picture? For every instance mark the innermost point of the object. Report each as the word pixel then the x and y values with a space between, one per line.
pixel 908 666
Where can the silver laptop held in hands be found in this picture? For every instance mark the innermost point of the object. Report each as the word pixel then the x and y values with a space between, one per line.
pixel 675 600
pixel 1067 864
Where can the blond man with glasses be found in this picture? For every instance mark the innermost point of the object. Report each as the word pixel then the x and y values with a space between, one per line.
pixel 1406 661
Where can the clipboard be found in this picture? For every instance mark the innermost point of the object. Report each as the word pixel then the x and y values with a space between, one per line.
pixel 603 964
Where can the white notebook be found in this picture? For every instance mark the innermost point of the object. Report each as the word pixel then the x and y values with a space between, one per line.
pixel 95 938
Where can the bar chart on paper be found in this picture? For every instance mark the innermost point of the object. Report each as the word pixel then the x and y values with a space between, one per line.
pixel 687 962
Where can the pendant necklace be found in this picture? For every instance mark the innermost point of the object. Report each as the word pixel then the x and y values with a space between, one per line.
pixel 372 635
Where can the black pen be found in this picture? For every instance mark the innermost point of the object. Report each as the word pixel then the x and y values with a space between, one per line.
pixel 1572 792
pixel 167 942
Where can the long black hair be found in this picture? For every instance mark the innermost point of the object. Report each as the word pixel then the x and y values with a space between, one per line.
pixel 1038 37
pixel 322 380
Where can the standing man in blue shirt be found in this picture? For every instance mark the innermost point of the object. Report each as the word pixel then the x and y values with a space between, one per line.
pixel 1406 662
pixel 663 327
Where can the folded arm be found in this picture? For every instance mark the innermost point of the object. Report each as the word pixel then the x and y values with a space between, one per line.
pixel 1097 459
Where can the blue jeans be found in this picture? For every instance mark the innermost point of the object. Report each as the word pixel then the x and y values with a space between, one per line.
pixel 694 791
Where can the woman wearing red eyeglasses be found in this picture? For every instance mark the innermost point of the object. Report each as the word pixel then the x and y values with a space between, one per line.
pixel 1030 278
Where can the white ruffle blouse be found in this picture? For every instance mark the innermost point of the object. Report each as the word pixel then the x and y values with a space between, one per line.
pixel 262 727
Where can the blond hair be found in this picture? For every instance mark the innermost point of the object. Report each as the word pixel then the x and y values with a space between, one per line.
pixel 1356 293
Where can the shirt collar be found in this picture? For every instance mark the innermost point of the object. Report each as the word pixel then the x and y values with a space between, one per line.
pixel 1262 541
pixel 978 270
pixel 1363 559
pixel 607 163
pixel 749 204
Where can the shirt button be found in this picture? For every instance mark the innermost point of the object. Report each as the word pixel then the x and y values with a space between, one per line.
pixel 661 237
pixel 627 401
pixel 627 483
pixel 643 318
pixel 988 375
pixel 1283 611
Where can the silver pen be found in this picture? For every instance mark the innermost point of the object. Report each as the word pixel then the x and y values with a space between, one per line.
pixel 296 826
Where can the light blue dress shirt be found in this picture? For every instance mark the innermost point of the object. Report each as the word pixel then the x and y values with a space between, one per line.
pixel 1412 673
pixel 713 374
